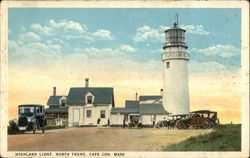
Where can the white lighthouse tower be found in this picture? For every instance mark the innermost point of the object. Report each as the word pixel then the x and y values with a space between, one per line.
pixel 175 82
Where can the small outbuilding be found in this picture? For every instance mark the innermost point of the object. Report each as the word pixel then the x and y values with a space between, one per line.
pixel 148 110
pixel 57 113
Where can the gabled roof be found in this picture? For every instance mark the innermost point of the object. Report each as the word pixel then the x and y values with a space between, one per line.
pixel 103 95
pixel 149 97
pixel 131 104
pixel 152 109
pixel 54 100
pixel 56 110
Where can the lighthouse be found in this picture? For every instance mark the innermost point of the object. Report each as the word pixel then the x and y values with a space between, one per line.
pixel 175 78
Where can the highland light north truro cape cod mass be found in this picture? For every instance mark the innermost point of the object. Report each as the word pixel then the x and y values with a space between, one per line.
pixel 95 105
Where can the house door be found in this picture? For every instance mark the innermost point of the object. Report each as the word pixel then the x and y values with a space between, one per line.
pixel 76 115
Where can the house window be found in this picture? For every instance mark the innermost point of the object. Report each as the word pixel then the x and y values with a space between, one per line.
pixel 63 103
pixel 89 99
pixel 41 109
pixel 88 113
pixel 37 110
pixel 102 113
pixel 153 117
pixel 167 64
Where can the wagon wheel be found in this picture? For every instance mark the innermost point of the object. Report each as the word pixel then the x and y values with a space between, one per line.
pixel 207 125
pixel 161 125
pixel 181 126
pixel 34 128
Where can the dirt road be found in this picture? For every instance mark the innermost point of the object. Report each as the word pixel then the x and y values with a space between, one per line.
pixel 99 139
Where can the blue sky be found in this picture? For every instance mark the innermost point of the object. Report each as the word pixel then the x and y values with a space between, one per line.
pixel 122 48
pixel 213 35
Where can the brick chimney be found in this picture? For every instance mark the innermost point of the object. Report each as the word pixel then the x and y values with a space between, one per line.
pixel 54 91
pixel 136 96
pixel 161 92
pixel 86 82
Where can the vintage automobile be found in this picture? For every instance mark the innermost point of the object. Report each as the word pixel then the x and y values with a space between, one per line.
pixel 30 117
pixel 199 119
pixel 171 122
pixel 134 120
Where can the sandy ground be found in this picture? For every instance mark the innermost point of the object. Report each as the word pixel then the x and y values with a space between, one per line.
pixel 99 139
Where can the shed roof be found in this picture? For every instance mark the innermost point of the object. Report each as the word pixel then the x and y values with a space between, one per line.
pixel 56 110
pixel 152 109
pixel 103 95
pixel 54 100
pixel 203 111
pixel 149 97
pixel 30 105
pixel 125 110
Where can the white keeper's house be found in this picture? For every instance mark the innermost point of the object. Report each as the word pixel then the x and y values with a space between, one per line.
pixel 83 106
pixel 89 105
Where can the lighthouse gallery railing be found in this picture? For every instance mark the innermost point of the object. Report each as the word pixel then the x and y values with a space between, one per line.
pixel 175 55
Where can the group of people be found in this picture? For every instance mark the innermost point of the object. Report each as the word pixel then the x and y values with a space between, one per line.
pixel 132 124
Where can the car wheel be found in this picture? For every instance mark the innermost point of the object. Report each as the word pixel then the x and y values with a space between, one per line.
pixel 181 126
pixel 207 125
pixel 34 128
pixel 212 124
pixel 161 125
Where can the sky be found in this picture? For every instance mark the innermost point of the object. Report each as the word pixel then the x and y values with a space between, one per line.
pixel 122 48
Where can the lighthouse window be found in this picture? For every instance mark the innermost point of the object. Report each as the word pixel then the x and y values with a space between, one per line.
pixel 167 64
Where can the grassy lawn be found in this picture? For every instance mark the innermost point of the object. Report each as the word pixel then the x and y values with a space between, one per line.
pixel 224 138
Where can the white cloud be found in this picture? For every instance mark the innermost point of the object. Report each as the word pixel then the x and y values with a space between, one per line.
pixel 29 37
pixel 68 26
pixel 219 50
pixel 120 51
pixel 64 26
pixel 100 53
pixel 71 30
pixel 195 29
pixel 206 67
pixel 104 34
pixel 43 29
pixel 163 28
pixel 157 34
pixel 145 33
pixel 55 47
pixel 127 48
pixel 157 51
pixel 33 54
pixel 74 60
pixel 57 41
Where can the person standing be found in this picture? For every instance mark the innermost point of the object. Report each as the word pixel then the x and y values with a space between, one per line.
pixel 124 123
